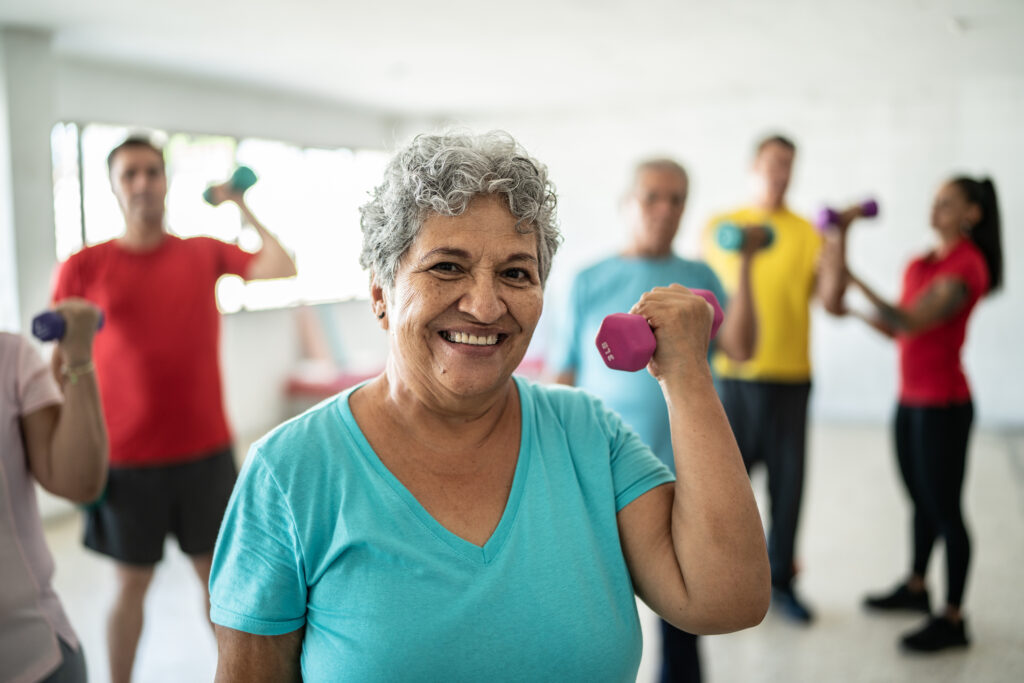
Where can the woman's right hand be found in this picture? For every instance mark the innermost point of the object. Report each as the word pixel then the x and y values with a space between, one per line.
pixel 81 319
pixel 681 321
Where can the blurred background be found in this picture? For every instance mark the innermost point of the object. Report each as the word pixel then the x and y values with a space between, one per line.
pixel 885 99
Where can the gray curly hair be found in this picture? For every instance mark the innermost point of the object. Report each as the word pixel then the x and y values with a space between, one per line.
pixel 442 174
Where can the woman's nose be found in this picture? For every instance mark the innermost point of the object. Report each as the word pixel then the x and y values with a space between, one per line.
pixel 483 300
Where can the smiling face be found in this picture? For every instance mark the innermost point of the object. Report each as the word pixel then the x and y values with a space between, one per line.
pixel 466 299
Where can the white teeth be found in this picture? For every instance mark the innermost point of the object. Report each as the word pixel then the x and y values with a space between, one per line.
pixel 471 339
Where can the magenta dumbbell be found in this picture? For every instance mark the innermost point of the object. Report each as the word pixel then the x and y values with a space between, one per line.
pixel 626 341
pixel 828 217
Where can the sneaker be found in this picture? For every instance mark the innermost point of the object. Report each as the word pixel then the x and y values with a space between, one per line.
pixel 901 599
pixel 785 600
pixel 938 634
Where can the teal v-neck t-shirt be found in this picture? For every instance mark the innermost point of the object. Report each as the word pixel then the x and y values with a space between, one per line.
pixel 319 534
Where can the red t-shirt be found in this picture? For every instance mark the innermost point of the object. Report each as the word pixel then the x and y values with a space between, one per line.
pixel 156 357
pixel 930 369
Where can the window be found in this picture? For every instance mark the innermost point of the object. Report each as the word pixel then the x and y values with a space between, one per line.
pixel 308 197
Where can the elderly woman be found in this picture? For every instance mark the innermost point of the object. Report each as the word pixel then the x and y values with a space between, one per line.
pixel 448 521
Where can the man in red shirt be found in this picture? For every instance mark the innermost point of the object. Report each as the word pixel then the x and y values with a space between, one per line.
pixel 157 360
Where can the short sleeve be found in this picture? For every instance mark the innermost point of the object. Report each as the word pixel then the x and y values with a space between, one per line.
pixel 257 581
pixel 563 353
pixel 231 259
pixel 635 468
pixel 36 386
pixel 974 272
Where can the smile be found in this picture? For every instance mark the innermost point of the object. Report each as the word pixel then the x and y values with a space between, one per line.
pixel 472 339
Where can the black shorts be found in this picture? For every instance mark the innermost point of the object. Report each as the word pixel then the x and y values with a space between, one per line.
pixel 142 505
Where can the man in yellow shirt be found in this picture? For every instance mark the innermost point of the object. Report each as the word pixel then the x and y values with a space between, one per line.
pixel 766 396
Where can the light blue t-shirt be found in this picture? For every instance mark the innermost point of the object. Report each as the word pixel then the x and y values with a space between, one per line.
pixel 319 533
pixel 613 286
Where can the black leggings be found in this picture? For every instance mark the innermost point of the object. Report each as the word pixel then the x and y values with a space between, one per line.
pixel 931 444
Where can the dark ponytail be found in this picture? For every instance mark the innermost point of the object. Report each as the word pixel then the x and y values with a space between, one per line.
pixel 985 234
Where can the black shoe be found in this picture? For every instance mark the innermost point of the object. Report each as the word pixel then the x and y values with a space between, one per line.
pixel 938 634
pixel 785 600
pixel 901 599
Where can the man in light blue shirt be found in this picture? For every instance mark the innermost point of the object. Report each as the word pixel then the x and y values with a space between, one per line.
pixel 654 208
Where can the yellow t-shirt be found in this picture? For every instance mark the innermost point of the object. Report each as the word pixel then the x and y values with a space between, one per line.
pixel 782 279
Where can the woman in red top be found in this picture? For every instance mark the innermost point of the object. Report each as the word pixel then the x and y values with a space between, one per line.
pixel 934 415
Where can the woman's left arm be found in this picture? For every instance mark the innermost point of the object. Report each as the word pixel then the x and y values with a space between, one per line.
pixel 943 299
pixel 250 658
pixel 695 549
pixel 66 445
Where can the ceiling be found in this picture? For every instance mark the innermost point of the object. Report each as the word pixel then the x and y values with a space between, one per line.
pixel 461 57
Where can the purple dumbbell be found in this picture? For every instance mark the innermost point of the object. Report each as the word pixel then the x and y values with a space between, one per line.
pixel 50 325
pixel 626 341
pixel 828 217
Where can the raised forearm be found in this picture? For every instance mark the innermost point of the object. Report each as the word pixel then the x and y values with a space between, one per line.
pixel 67 446
pixel 738 336
pixel 716 528
pixel 78 450
pixel 272 260
pixel 888 319
pixel 832 276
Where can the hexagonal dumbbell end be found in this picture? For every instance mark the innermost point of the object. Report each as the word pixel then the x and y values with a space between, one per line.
pixel 241 180
pixel 869 209
pixel 733 237
pixel 626 341
pixel 710 297
pixel 826 219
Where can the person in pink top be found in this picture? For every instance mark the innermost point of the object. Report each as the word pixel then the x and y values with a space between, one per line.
pixel 935 412
pixel 60 441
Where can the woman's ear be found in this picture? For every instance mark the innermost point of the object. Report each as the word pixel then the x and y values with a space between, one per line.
pixel 378 301
pixel 973 215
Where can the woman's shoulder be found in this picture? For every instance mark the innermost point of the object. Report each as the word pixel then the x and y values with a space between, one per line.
pixel 305 440
pixel 561 403
pixel 10 340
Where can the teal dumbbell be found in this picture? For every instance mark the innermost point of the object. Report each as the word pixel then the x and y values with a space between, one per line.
pixel 733 237
pixel 241 180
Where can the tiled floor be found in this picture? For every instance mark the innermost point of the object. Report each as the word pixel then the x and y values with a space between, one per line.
pixel 854 540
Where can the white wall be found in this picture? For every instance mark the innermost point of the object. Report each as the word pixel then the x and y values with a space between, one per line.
pixel 27 68
pixel 897 147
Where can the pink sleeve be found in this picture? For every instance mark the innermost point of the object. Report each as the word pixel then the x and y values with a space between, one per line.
pixel 36 386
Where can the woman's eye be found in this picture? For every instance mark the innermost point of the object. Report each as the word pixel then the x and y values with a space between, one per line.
pixel 445 267
pixel 517 274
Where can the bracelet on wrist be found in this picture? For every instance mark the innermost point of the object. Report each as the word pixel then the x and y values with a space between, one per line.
pixel 73 372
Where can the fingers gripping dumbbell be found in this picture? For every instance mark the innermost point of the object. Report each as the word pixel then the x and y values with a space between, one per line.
pixel 51 326
pixel 626 341
pixel 733 237
pixel 828 218
pixel 241 180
